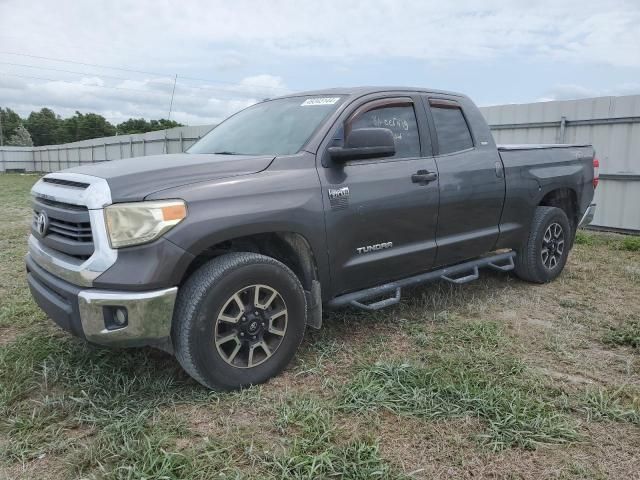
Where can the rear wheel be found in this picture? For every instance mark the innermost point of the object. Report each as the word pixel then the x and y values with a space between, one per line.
pixel 239 320
pixel 544 255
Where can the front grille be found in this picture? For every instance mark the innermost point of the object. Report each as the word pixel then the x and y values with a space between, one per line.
pixel 68 228
pixel 78 232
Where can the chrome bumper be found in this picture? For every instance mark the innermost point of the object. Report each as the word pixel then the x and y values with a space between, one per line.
pixel 89 312
pixel 149 316
pixel 588 216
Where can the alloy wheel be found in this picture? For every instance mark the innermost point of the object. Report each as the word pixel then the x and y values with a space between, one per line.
pixel 552 246
pixel 251 326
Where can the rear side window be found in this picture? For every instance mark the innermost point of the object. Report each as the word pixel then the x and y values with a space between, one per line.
pixel 451 127
pixel 401 120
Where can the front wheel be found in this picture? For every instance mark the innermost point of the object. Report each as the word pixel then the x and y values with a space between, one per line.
pixel 544 254
pixel 238 321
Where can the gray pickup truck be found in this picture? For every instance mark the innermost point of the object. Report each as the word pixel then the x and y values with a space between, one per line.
pixel 224 254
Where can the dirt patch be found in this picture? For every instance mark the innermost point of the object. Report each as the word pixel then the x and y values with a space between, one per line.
pixel 448 450
pixel 565 377
pixel 9 334
pixel 44 468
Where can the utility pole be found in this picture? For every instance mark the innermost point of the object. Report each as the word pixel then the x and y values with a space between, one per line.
pixel 175 79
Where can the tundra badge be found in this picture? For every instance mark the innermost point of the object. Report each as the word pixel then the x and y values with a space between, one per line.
pixel 373 248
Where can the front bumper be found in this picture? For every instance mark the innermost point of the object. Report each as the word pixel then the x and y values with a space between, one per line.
pixel 87 312
pixel 587 218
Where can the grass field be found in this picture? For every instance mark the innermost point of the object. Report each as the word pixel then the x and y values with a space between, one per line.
pixel 494 379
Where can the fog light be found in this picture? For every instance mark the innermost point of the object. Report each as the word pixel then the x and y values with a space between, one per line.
pixel 120 317
pixel 115 317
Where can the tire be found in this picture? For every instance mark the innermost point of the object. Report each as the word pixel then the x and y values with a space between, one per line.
pixel 208 314
pixel 532 263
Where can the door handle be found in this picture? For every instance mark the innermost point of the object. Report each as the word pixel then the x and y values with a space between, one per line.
pixel 424 177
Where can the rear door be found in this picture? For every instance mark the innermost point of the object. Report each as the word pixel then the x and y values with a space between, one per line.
pixel 380 222
pixel 471 183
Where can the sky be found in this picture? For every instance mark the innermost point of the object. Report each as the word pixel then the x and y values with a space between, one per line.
pixel 121 58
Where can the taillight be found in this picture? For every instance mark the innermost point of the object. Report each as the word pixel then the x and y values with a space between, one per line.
pixel 596 172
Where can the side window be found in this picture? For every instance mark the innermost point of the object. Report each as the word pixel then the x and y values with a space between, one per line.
pixel 451 127
pixel 400 119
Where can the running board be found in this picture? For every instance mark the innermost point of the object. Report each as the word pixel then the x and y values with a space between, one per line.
pixel 458 274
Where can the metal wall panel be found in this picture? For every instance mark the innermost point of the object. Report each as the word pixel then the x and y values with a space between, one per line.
pixel 51 158
pixel 610 124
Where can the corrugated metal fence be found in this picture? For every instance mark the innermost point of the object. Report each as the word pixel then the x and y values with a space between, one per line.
pixel 611 124
pixel 51 158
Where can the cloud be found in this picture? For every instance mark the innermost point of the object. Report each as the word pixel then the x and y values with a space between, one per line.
pixel 251 50
pixel 149 98
pixel 571 91
pixel 431 29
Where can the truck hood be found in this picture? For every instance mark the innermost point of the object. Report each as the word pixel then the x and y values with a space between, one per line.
pixel 132 179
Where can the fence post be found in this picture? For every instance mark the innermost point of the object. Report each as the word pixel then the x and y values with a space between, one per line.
pixel 144 147
pixel 4 166
pixel 58 158
pixel 92 158
pixel 181 142
pixel 130 146
pixel 563 128
pixel 66 157
pixel 120 148
pixel 105 151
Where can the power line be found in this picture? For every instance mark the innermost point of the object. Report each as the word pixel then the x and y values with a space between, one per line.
pixel 102 76
pixel 39 67
pixel 152 92
pixel 80 84
pixel 144 72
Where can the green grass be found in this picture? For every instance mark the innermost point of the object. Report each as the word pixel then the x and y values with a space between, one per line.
pixel 627 334
pixel 316 451
pixel 606 404
pixel 627 243
pixel 631 244
pixel 585 238
pixel 467 376
pixel 52 384
pixel 16 306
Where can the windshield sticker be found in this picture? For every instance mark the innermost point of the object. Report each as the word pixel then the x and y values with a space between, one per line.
pixel 319 101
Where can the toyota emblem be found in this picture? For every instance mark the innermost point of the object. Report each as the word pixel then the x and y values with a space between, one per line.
pixel 42 223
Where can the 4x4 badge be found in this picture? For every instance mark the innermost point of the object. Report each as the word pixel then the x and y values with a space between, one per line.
pixel 338 193
pixel 339 198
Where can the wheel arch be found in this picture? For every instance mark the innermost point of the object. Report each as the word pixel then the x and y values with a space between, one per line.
pixel 290 248
pixel 566 199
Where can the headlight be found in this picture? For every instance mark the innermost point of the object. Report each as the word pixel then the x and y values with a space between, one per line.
pixel 141 222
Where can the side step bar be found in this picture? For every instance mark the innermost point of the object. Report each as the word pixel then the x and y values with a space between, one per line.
pixel 458 274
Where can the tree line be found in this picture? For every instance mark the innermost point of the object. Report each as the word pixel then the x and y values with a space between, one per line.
pixel 47 128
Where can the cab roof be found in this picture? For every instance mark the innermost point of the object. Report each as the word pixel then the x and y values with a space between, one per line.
pixel 365 90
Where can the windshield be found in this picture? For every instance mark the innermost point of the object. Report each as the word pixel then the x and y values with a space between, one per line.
pixel 274 127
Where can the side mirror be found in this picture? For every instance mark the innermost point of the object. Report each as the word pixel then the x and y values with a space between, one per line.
pixel 365 143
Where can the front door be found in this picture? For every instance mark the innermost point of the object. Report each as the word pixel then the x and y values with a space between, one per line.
pixel 381 214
